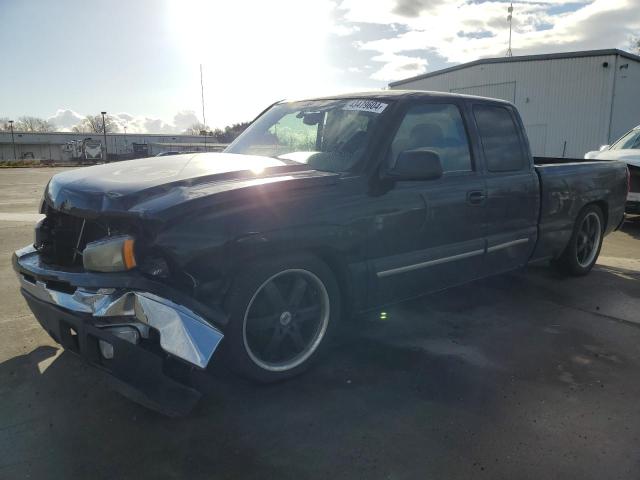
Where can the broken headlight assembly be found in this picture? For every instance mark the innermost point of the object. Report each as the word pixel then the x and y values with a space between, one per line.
pixel 113 254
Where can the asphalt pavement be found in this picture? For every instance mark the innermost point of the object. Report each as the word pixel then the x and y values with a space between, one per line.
pixel 526 375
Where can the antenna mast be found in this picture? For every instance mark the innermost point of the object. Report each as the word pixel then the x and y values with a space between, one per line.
pixel 509 19
pixel 204 119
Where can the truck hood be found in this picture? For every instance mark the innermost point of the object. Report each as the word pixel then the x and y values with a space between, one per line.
pixel 630 156
pixel 150 186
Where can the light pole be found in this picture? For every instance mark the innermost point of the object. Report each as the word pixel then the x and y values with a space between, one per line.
pixel 204 119
pixel 104 133
pixel 13 141
pixel 510 20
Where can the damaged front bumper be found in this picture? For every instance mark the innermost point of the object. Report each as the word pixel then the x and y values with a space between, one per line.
pixel 136 334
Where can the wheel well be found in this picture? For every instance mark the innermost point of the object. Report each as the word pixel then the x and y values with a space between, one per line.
pixel 339 268
pixel 332 259
pixel 605 211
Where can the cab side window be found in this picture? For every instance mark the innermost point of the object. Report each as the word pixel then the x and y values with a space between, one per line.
pixel 501 142
pixel 437 127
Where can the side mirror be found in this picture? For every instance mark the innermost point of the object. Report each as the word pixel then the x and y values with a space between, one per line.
pixel 417 165
pixel 604 147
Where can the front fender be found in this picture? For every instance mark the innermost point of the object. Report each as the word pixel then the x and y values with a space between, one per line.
pixel 212 244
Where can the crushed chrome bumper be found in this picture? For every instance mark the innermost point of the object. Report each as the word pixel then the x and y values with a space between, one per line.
pixel 183 333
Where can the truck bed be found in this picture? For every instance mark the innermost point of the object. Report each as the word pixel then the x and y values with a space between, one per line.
pixel 556 160
pixel 566 186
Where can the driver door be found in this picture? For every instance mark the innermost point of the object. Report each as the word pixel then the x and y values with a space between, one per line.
pixel 430 234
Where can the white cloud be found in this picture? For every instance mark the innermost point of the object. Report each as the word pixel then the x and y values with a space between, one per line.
pixel 142 124
pixel 184 119
pixel 344 30
pixel 393 63
pixel 65 119
pixel 461 31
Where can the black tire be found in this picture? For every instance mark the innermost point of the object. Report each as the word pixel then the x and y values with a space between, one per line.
pixel 570 260
pixel 252 289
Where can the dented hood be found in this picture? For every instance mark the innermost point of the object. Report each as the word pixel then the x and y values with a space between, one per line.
pixel 149 186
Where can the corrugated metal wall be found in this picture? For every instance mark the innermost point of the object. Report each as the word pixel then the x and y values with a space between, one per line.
pixel 560 100
pixel 32 151
pixel 626 100
pixel 504 91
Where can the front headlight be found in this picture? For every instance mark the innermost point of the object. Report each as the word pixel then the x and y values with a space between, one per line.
pixel 113 254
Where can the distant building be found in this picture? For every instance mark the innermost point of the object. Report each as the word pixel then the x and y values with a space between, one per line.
pixel 74 147
pixel 570 102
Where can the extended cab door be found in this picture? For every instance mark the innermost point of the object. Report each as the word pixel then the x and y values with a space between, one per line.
pixel 513 191
pixel 444 244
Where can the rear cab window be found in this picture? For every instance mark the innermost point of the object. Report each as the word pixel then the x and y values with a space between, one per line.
pixel 500 139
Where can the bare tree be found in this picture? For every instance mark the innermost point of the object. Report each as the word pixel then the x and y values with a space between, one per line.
pixel 636 45
pixel 80 127
pixel 33 124
pixel 93 124
pixel 4 124
pixel 230 132
pixel 198 129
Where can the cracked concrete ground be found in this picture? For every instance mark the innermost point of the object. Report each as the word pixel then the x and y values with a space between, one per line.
pixel 527 375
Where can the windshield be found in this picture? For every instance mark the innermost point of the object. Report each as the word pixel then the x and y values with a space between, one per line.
pixel 330 135
pixel 629 141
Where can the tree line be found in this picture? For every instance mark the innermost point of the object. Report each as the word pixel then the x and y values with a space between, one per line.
pixel 94 124
pixel 27 124
pixel 226 135
pixel 89 124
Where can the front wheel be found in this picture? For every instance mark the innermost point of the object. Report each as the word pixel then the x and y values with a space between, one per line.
pixel 281 315
pixel 586 241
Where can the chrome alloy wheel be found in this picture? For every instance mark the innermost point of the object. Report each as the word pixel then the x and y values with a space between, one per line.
pixel 588 240
pixel 286 320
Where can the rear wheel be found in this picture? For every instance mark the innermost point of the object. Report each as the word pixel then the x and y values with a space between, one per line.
pixel 281 314
pixel 586 241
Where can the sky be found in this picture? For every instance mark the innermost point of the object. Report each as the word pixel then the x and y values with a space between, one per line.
pixel 140 59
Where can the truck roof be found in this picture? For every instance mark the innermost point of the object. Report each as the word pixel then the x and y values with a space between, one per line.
pixel 400 95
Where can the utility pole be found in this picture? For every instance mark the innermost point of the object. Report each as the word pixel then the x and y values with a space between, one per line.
pixel 510 19
pixel 13 141
pixel 204 119
pixel 104 133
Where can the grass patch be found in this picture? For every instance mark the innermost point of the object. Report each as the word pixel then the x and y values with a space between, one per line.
pixel 19 163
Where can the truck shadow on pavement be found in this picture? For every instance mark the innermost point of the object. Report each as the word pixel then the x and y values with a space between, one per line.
pixel 456 384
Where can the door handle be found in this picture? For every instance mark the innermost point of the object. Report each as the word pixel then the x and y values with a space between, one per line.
pixel 475 197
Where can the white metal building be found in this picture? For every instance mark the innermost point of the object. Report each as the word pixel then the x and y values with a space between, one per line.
pixel 570 102
pixel 54 146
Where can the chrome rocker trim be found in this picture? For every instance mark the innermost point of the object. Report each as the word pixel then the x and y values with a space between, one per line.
pixel 430 263
pixel 453 258
pixel 502 246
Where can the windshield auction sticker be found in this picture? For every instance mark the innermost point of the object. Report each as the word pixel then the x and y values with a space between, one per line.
pixel 372 106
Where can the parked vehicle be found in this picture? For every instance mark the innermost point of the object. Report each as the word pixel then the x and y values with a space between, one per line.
pixel 169 154
pixel 625 149
pixel 321 209
pixel 88 150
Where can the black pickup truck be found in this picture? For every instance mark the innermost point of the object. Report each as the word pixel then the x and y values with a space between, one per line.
pixel 321 209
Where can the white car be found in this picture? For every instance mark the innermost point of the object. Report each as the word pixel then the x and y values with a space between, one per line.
pixel 625 149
